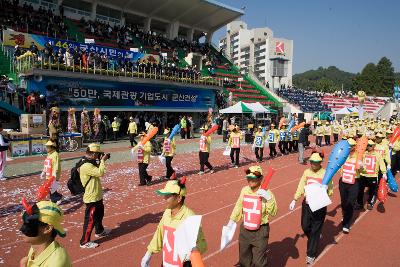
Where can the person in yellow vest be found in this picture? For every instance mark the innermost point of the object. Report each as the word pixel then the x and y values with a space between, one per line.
pixel 40 229
pixel 176 212
pixel 115 126
pixel 296 137
pixel 132 131
pixel 372 163
pixel 234 142
pixel 336 129
pixel 204 150
pixel 91 173
pixel 327 133
pixel 311 222
pixel 52 168
pixel 273 137
pixel 283 139
pixel 254 206
pixel 259 138
pixel 383 148
pixel 168 151
pixel 143 159
pixel 289 142
pixel 395 158
pixel 319 132
pixel 348 186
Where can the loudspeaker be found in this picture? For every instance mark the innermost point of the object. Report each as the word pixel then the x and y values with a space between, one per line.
pixel 300 117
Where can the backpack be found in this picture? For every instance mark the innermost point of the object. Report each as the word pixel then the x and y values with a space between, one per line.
pixel 74 183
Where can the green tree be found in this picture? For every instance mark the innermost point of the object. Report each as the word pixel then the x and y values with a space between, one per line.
pixel 368 80
pixel 386 76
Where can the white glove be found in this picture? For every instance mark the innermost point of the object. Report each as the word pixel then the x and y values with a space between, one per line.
pixel 146 260
pixel 361 164
pixel 231 224
pixel 292 205
pixel 42 175
pixel 228 232
pixel 384 176
pixel 266 194
pixel 324 186
pixel 389 167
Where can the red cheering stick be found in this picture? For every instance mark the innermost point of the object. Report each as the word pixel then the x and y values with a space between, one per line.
pixel 298 126
pixel 382 191
pixel 267 178
pixel 395 136
pixel 27 207
pixel 213 129
pixel 44 189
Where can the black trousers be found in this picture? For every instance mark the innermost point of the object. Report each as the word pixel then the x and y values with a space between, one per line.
pixel 183 133
pixel 115 135
pixel 348 196
pixel 170 170
pixel 253 246
pixel 289 147
pixel 188 133
pixel 295 145
pixel 143 175
pixel 259 151
pixel 335 137
pixel 318 141
pixel 282 147
pixel 203 157
pixel 272 150
pixel 235 156
pixel 371 183
pixel 94 214
pixel 101 138
pixel 311 223
pixel 224 136
pixel 132 139
pixel 327 139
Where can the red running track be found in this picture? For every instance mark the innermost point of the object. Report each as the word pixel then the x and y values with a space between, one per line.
pixel 133 213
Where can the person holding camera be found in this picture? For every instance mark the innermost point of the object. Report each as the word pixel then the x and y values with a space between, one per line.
pixel 91 173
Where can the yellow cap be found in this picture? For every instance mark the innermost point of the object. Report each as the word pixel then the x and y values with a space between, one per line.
pixel 390 131
pixel 380 135
pixel 370 142
pixel 166 131
pixel 51 143
pixel 94 148
pixel 315 157
pixel 252 171
pixel 172 187
pixel 351 141
pixel 204 128
pixel 51 214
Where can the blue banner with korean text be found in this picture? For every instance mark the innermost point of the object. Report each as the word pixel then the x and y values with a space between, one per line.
pixel 109 94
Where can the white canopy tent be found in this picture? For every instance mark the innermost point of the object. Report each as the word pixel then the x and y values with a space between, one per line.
pixel 242 107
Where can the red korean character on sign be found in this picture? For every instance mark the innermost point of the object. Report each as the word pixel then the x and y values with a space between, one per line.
pixel 170 257
pixel 312 180
pixel 370 164
pixel 140 155
pixel 48 168
pixel 202 143
pixel 235 142
pixel 349 173
pixel 252 212
pixel 167 146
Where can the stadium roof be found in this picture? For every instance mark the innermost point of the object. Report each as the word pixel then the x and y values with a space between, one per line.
pixel 203 15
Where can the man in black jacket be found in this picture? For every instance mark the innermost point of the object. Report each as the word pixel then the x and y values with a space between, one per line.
pixel 303 141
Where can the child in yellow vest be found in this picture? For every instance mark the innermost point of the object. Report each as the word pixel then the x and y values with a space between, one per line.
pixel 234 142
pixel 254 206
pixel 311 222
pixel 52 168
pixel 372 163
pixel 283 139
pixel 143 159
pixel 132 131
pixel 168 151
pixel 204 151
pixel 273 137
pixel 327 133
pixel 258 144
pixel 163 240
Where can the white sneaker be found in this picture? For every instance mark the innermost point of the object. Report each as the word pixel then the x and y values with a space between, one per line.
pixel 60 201
pixel 310 260
pixel 105 232
pixel 346 230
pixel 236 166
pixel 89 245
pixel 212 171
pixel 200 173
pixel 3 178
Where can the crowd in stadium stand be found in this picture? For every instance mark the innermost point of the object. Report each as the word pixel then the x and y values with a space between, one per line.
pixel 306 100
pixel 26 19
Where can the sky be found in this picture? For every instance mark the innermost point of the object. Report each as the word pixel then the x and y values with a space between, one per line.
pixel 346 34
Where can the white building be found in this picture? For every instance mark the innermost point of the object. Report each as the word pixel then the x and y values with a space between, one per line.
pixel 258 51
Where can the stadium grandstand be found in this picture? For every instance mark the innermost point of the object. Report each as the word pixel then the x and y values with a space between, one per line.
pixel 121 56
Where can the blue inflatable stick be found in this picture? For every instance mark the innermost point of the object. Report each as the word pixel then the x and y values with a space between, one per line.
pixel 291 124
pixel 391 181
pixel 174 131
pixel 264 130
pixel 337 158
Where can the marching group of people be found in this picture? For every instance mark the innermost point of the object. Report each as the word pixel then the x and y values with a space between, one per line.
pixel 255 205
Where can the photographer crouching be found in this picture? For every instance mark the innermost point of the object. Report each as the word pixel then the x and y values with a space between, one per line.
pixel 91 173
